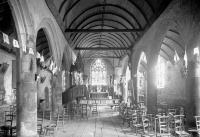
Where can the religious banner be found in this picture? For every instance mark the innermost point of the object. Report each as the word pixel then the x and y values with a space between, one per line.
pixel 5 38
pixel 15 43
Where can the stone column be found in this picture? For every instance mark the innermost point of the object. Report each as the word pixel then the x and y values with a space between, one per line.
pixel 134 90
pixel 26 95
pixel 54 96
pixel 193 92
pixel 38 89
pixel 56 92
pixel 151 90
pixel 59 89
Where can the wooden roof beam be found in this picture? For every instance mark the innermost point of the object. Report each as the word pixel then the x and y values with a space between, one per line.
pixel 102 30
pixel 101 57
pixel 101 48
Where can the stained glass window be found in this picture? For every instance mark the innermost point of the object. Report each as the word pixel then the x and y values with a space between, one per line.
pixel 98 71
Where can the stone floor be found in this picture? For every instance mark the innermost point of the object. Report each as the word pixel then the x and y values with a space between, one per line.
pixel 106 124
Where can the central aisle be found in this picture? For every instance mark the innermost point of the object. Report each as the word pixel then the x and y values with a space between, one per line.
pixel 107 124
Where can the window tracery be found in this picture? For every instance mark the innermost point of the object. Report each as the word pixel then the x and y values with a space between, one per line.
pixel 98 71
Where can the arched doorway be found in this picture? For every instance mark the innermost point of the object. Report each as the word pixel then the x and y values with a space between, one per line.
pixel 44 60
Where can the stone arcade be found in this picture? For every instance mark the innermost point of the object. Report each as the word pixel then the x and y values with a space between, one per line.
pixel 106 53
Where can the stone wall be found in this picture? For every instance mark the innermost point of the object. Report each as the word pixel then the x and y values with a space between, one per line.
pixel 41 87
pixel 6 90
pixel 182 16
pixel 7 81
pixel 174 91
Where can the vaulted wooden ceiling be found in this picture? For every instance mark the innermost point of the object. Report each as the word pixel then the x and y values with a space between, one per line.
pixel 105 28
pixel 100 28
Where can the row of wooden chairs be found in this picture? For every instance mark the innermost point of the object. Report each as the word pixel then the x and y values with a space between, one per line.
pixel 76 110
pixel 56 122
pixel 165 125
pixel 81 109
pixel 161 125
pixel 66 113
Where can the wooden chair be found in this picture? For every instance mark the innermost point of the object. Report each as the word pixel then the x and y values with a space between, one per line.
pixel 78 111
pixel 197 129
pixel 13 109
pixel 152 132
pixel 83 110
pixel 121 110
pixel 70 109
pixel 151 121
pixel 146 123
pixel 179 122
pixel 116 105
pixel 197 119
pixel 133 116
pixel 40 120
pixel 137 122
pixel 163 125
pixel 126 116
pixel 94 109
pixel 179 126
pixel 181 111
pixel 52 128
pixel 67 114
pixel 89 103
pixel 60 120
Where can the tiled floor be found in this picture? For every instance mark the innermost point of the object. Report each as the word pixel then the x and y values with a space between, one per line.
pixel 106 124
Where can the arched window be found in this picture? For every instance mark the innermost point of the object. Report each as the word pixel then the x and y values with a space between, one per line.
pixel 98 70
pixel 160 73
pixel 63 81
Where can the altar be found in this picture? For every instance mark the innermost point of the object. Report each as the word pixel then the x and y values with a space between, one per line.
pixel 98 95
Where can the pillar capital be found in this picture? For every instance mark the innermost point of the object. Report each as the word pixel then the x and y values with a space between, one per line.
pixel 31 41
